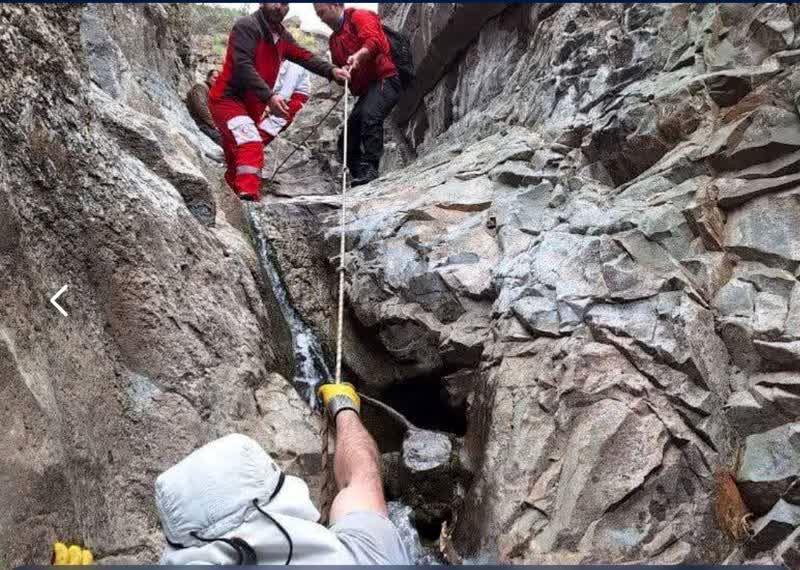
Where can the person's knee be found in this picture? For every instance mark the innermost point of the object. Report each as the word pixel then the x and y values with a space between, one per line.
pixel 244 130
pixel 373 116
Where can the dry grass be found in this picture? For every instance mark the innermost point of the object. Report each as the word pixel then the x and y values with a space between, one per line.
pixel 732 514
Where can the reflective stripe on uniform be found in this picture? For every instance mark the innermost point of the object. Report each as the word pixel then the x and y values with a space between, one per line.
pixel 244 169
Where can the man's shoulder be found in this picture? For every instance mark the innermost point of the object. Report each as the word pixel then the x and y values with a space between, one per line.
pixel 248 22
pixel 361 15
pixel 198 90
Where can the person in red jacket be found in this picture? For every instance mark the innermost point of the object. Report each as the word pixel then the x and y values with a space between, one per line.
pixel 257 45
pixel 359 42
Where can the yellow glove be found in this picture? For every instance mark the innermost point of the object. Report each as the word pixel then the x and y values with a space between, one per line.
pixel 338 397
pixel 64 555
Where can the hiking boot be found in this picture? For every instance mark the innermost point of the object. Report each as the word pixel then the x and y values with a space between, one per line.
pixel 366 173
pixel 248 197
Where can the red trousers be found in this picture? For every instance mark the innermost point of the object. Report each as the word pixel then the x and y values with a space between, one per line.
pixel 243 142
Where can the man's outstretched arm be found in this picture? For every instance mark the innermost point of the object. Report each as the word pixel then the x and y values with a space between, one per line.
pixel 359 513
pixel 356 461
pixel 356 465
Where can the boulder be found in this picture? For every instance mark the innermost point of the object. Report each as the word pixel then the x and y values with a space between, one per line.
pixel 770 402
pixel 770 463
pixel 433 479
pixel 760 231
pixel 759 136
pixel 734 192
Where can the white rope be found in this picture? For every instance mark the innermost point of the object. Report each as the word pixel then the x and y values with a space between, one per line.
pixel 338 377
pixel 328 482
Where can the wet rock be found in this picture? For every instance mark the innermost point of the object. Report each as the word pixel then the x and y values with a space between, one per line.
pixel 402 516
pixel 770 464
pixel 434 478
pixel 311 283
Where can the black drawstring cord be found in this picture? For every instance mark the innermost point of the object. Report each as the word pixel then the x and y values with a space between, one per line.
pixel 278 487
pixel 280 528
pixel 177 545
pixel 247 556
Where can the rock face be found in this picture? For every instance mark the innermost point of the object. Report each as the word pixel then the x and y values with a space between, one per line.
pixel 587 275
pixel 173 337
pixel 594 258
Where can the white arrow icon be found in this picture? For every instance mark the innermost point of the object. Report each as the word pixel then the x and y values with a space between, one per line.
pixel 56 296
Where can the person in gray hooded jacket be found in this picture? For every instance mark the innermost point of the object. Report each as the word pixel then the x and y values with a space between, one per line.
pixel 229 503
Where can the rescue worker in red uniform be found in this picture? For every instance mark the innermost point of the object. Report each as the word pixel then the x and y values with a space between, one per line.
pixel 256 47
pixel 358 41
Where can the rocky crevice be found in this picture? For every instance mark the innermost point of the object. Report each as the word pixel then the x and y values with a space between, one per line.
pixel 588 275
pixel 171 331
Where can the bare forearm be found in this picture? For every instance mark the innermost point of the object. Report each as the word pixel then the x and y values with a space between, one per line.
pixel 363 54
pixel 357 455
pixel 356 462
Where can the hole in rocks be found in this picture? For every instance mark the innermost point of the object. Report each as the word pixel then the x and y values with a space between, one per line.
pixel 429 530
pixel 423 401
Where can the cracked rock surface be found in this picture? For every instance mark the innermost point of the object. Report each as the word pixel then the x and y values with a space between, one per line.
pixel 595 250
pixel 173 336
pixel 583 278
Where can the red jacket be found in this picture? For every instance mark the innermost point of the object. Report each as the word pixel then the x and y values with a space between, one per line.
pixel 254 56
pixel 363 28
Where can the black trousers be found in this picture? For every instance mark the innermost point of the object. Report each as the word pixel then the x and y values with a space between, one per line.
pixel 365 125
